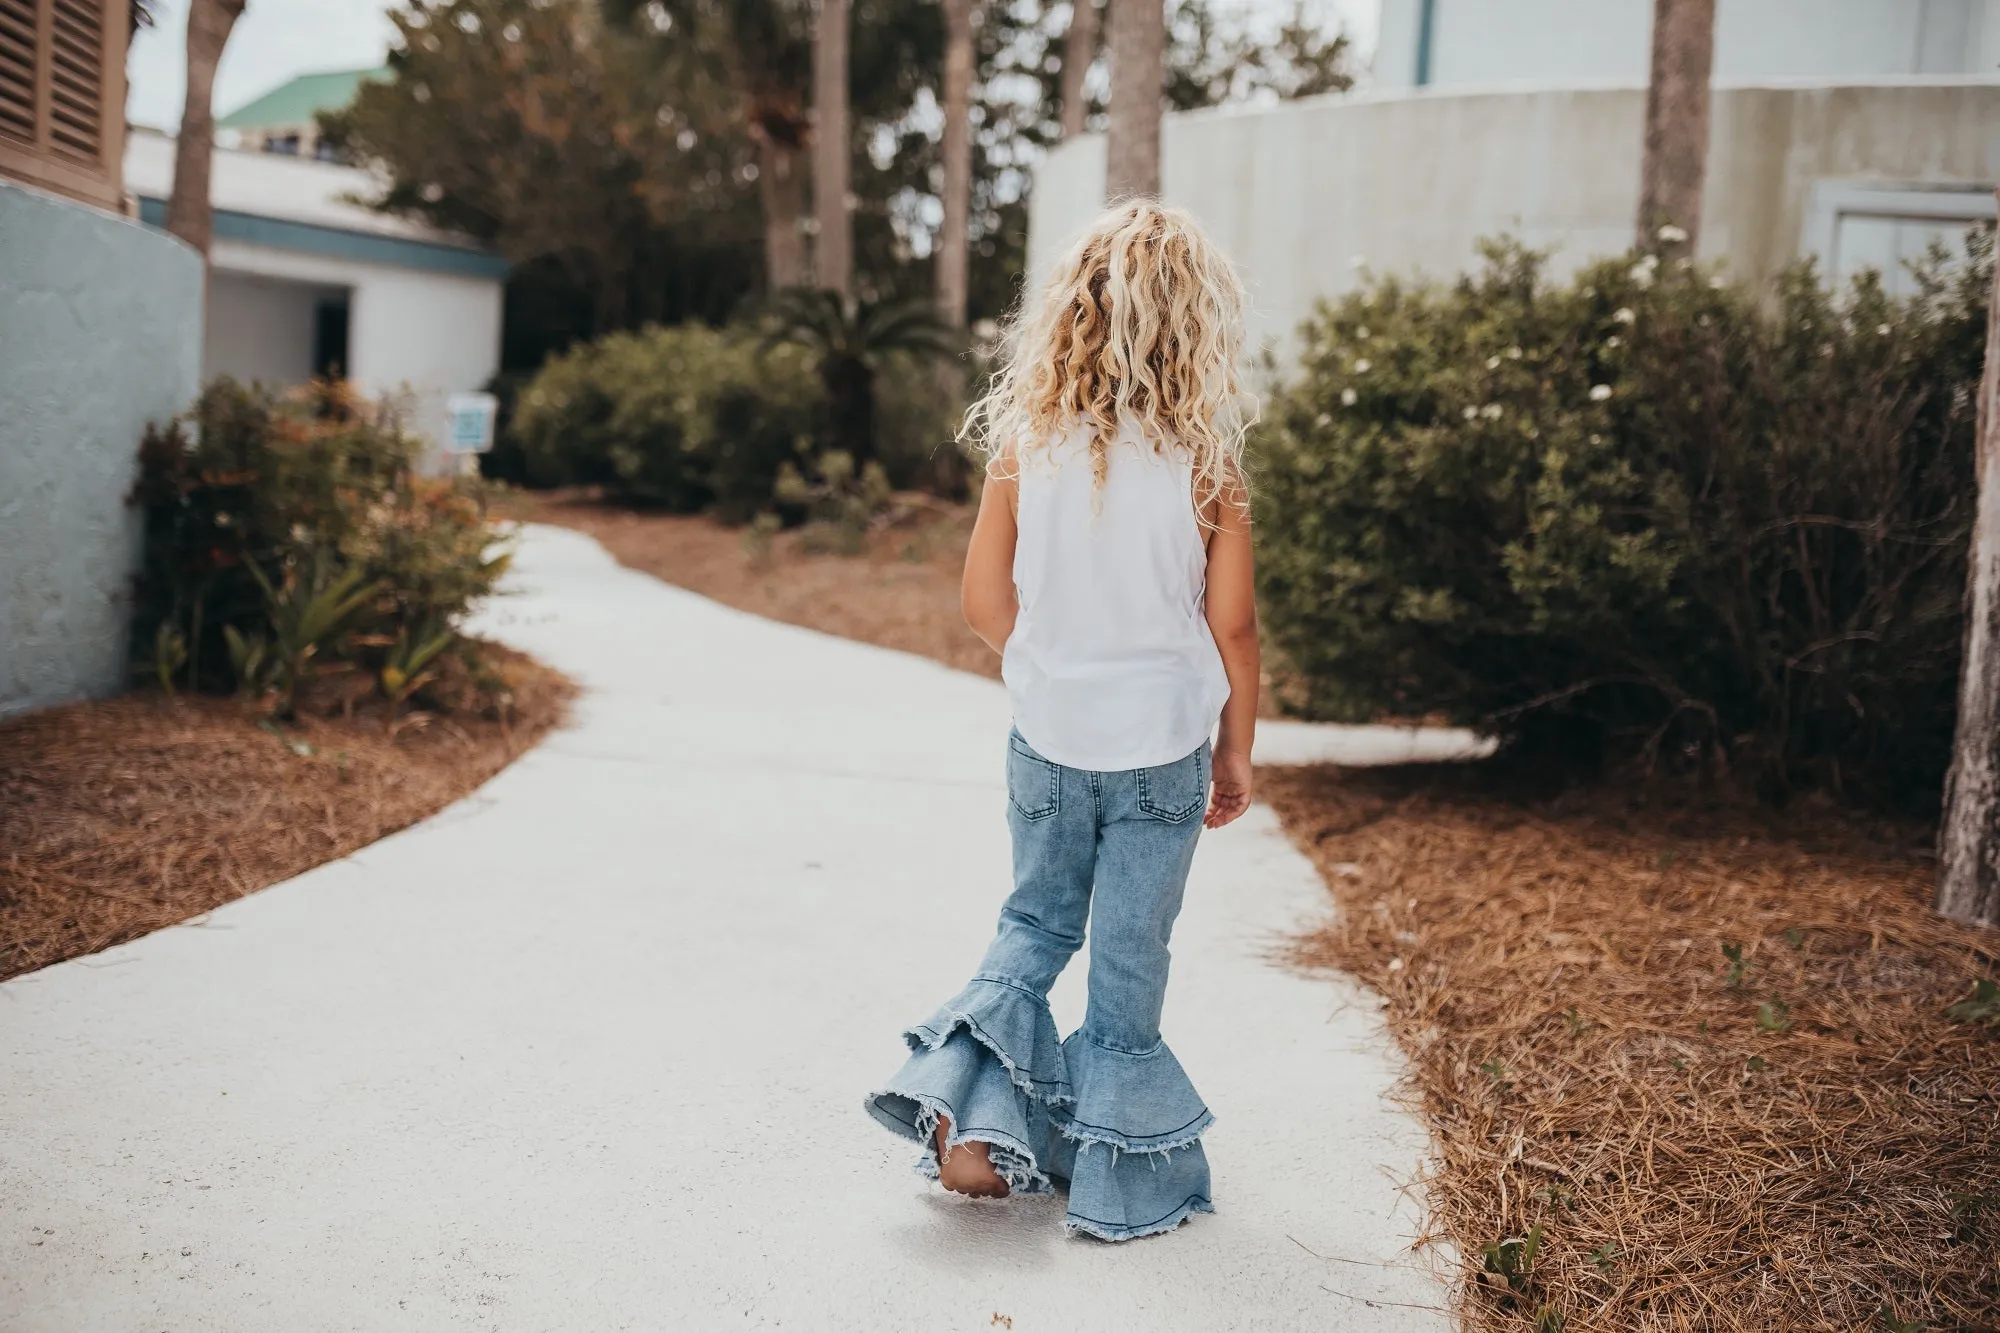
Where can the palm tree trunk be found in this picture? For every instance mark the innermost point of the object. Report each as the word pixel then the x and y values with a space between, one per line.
pixel 833 248
pixel 953 238
pixel 1079 50
pixel 189 215
pixel 1676 152
pixel 1969 835
pixel 1138 41
pixel 781 187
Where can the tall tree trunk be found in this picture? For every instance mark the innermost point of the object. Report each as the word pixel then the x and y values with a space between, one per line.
pixel 1138 41
pixel 1079 51
pixel 1969 836
pixel 189 215
pixel 1676 154
pixel 781 187
pixel 953 238
pixel 833 247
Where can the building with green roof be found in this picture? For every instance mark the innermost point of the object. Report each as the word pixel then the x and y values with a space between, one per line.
pixel 285 120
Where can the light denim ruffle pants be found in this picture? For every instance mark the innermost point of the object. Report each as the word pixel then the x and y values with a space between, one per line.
pixel 1109 1111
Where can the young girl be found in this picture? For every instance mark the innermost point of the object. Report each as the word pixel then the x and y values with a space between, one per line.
pixel 1110 568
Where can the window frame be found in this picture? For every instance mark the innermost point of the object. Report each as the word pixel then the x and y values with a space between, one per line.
pixel 41 161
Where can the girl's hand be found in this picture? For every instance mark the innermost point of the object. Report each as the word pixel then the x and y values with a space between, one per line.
pixel 1230 793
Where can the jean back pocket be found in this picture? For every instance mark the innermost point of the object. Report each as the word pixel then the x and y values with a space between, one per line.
pixel 1173 792
pixel 1034 784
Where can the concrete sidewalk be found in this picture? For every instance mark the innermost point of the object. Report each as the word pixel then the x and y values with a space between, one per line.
pixel 587 1050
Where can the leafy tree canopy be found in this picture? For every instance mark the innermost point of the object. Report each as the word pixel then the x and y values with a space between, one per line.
pixel 609 147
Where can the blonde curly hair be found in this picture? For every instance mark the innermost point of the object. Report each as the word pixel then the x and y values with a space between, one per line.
pixel 1141 322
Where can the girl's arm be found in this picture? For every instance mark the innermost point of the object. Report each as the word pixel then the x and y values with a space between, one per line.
pixel 1232 619
pixel 987 595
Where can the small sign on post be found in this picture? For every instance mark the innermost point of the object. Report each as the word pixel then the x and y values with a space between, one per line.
pixel 470 426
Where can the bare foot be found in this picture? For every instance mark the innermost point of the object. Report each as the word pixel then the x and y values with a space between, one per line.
pixel 967 1168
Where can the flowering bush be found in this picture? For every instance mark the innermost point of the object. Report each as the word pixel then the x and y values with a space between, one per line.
pixel 291 540
pixel 691 418
pixel 1640 513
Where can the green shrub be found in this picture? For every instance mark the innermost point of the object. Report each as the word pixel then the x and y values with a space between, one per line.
pixel 291 540
pixel 681 418
pixel 1641 513
pixel 561 421
pixel 917 413
pixel 692 418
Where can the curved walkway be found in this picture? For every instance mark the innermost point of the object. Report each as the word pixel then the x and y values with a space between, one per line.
pixel 587 1050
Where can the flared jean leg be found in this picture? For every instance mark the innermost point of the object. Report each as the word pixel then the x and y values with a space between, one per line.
pixel 989 1061
pixel 1138 1167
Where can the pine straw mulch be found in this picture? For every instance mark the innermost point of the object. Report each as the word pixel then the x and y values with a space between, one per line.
pixel 120 816
pixel 899 591
pixel 1800 1141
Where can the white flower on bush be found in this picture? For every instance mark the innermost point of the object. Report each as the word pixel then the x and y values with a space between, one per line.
pixel 1599 392
pixel 1349 398
pixel 1672 235
pixel 1882 329
pixel 1493 363
pixel 1323 419
pixel 1624 315
pixel 1513 354
pixel 1644 271
pixel 1363 366
pixel 1491 411
pixel 1471 413
pixel 1614 341
pixel 1362 333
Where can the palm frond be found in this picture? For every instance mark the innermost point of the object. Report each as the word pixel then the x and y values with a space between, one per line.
pixel 867 330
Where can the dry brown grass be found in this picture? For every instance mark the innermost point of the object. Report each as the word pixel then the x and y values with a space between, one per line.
pixel 900 592
pixel 120 816
pixel 1802 1142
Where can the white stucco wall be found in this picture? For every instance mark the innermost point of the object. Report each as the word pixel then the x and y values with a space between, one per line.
pixel 424 336
pixel 1571 43
pixel 260 330
pixel 100 333
pixel 1300 193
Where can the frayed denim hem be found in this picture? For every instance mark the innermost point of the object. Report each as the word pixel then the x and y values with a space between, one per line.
pixel 1011 1158
pixel 1083 1226
pixel 1163 1144
pixel 1013 1024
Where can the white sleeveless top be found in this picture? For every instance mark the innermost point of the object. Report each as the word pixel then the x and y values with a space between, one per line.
pixel 1111 665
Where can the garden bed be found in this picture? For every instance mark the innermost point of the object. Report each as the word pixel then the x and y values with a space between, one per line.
pixel 1705 1051
pixel 124 815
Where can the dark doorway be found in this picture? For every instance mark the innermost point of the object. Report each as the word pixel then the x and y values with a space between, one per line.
pixel 330 339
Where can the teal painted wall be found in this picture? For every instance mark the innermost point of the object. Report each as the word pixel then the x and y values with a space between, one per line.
pixel 100 332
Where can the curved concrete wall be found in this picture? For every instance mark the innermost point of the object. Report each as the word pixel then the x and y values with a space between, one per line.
pixel 1484 43
pixel 100 332
pixel 1302 193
